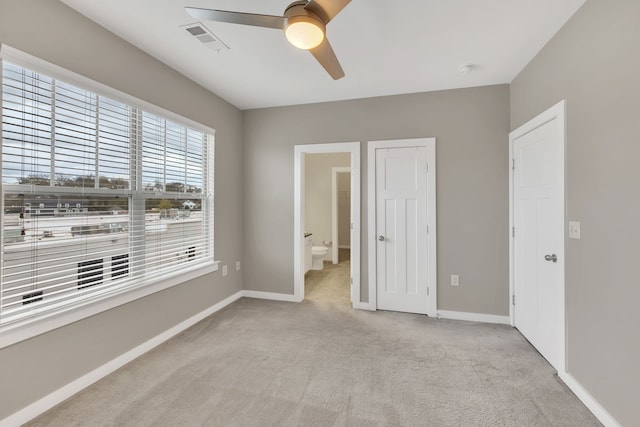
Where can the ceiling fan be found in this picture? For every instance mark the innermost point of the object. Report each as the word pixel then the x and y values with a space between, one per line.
pixel 304 24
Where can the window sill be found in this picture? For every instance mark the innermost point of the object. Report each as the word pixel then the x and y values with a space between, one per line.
pixel 12 334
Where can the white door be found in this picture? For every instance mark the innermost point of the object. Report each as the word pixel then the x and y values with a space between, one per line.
pixel 538 234
pixel 402 249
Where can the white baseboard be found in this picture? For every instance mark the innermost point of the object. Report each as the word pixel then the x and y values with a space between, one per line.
pixel 454 315
pixel 363 306
pixel 65 392
pixel 473 317
pixel 28 413
pixel 271 296
pixel 592 404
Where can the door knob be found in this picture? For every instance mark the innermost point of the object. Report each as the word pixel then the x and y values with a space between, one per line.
pixel 381 238
pixel 552 257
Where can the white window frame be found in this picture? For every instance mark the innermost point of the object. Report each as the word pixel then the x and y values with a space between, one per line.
pixel 22 330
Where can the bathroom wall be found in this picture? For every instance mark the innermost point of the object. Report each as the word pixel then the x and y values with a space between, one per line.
pixel 344 209
pixel 593 63
pixel 470 126
pixel 317 204
pixel 48 29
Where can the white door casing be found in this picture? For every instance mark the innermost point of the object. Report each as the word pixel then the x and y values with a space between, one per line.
pixel 537 203
pixel 402 257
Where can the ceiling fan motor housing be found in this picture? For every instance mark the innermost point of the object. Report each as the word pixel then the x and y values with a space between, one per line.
pixel 304 28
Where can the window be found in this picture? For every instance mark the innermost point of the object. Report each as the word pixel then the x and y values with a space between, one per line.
pixel 90 273
pixel 119 266
pixel 99 195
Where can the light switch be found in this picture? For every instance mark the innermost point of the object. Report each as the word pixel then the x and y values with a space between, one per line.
pixel 224 270
pixel 574 229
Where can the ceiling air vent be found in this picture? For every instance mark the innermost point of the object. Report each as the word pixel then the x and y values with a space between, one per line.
pixel 206 37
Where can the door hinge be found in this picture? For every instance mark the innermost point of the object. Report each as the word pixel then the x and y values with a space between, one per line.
pixel 513 299
pixel 427 291
pixel 513 232
pixel 351 280
pixel 513 164
pixel 427 229
pixel 352 226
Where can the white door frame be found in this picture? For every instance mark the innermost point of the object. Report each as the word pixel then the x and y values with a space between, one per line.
pixel 334 211
pixel 557 112
pixel 298 218
pixel 430 144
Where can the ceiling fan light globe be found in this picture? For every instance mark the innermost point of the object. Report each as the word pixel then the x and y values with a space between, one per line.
pixel 304 32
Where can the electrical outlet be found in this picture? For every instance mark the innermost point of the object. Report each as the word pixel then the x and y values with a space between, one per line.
pixel 237 265
pixel 224 270
pixel 455 280
pixel 574 230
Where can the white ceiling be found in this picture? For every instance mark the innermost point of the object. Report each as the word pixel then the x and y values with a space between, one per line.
pixel 385 47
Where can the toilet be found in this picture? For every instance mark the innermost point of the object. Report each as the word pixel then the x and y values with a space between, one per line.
pixel 317 257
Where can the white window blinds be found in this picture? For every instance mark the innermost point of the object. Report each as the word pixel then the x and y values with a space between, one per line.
pixel 98 196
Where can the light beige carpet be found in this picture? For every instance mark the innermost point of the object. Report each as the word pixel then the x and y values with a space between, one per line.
pixel 320 363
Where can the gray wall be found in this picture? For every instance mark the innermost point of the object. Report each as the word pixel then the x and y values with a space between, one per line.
pixel 47 29
pixel 471 127
pixel 593 63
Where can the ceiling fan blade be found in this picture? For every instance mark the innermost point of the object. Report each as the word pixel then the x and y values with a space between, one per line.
pixel 327 58
pixel 327 9
pixel 253 19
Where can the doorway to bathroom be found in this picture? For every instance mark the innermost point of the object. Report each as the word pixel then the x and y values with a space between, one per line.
pixel 326 178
